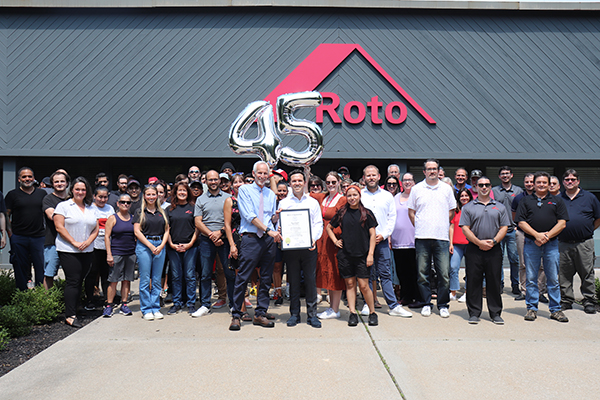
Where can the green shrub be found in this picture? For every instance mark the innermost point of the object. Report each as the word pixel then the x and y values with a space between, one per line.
pixel 14 320
pixel 4 338
pixel 40 305
pixel 598 290
pixel 7 286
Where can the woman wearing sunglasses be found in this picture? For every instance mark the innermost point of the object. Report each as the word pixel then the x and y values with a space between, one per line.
pixel 328 275
pixel 120 255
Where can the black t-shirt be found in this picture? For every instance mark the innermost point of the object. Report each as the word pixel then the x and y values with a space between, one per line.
pixel 26 210
pixel 154 224
pixel 135 206
pixel 50 201
pixel 355 237
pixel 181 222
pixel 541 218
pixel 583 210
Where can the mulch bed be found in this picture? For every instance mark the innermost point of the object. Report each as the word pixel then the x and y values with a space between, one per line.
pixel 22 349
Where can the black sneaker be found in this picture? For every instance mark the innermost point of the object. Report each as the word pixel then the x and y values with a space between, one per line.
pixel 589 309
pixel 353 319
pixel 192 309
pixel 174 310
pixel 566 306
pixel 279 300
pixel 90 306
pixel 473 320
pixel 373 321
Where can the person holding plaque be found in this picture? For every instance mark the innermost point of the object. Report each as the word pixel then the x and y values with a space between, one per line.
pixel 307 228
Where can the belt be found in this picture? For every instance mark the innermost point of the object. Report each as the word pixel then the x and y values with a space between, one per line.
pixel 254 235
pixel 575 241
pixel 154 237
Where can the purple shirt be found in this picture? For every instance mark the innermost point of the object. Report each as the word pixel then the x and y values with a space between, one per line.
pixel 403 235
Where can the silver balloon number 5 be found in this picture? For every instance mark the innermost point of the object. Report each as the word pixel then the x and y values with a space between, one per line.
pixel 267 145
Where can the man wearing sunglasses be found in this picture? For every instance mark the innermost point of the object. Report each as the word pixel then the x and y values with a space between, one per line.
pixel 542 217
pixel 576 243
pixel 484 223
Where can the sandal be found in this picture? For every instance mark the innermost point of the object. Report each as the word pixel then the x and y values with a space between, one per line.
pixel 246 317
pixel 74 323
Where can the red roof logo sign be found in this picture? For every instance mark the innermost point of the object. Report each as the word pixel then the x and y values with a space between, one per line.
pixel 321 63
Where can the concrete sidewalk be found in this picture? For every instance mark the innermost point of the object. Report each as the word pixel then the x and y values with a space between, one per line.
pixel 418 358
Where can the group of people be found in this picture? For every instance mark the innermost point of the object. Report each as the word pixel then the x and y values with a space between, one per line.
pixel 362 234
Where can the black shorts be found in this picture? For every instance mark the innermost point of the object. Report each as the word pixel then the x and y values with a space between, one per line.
pixel 351 267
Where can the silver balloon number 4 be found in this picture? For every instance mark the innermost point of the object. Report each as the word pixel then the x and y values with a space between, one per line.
pixel 267 145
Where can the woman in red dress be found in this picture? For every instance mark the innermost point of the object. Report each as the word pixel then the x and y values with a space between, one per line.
pixel 328 276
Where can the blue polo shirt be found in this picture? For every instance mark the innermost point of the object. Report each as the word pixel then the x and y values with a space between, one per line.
pixel 248 202
pixel 583 210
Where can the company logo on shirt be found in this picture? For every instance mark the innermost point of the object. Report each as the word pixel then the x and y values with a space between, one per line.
pixel 320 64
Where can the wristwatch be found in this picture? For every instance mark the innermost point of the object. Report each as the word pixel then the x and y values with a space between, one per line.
pixel 267 230
pixel 494 240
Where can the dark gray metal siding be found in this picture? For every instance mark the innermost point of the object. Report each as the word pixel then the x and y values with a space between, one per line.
pixel 166 83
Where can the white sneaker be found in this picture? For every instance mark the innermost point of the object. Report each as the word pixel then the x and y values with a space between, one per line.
pixel 463 298
pixel 328 314
pixel 319 298
pixel 400 311
pixel 452 297
pixel 444 313
pixel 148 316
pixel 365 310
pixel 426 311
pixel 202 311
pixel 158 315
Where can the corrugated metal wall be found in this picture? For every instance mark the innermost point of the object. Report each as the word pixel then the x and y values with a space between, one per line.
pixel 168 83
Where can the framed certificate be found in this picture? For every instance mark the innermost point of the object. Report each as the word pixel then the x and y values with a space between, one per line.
pixel 295 229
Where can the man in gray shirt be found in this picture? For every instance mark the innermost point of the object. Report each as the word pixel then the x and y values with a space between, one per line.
pixel 505 194
pixel 210 220
pixel 484 222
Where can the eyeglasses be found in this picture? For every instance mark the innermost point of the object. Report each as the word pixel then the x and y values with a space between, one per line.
pixel 330 182
pixel 392 184
pixel 539 203
pixel 570 179
pixel 125 202
pixel 194 171
pixel 315 185
pixel 431 169
pixel 484 185
pixel 249 181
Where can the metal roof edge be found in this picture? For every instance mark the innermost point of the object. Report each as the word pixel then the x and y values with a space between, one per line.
pixel 539 5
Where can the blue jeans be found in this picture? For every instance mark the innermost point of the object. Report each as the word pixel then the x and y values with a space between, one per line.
pixel 509 245
pixel 27 250
pixel 457 256
pixel 382 261
pixel 183 267
pixel 208 252
pixel 533 256
pixel 440 251
pixel 151 267
pixel 51 261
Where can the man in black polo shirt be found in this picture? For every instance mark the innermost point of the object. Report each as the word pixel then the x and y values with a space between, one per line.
pixel 576 243
pixel 542 217
pixel 484 223
pixel 27 232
